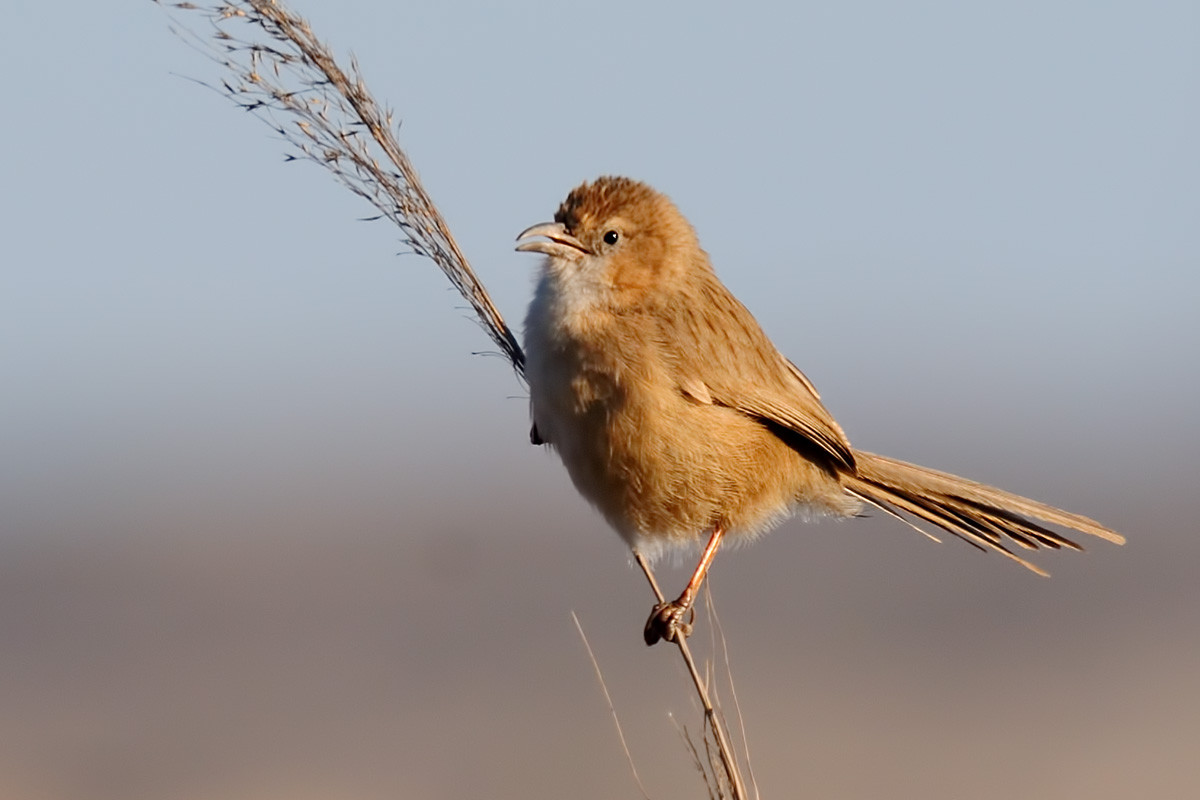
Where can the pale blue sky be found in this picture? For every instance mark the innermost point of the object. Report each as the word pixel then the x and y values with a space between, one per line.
pixel 998 203
pixel 973 225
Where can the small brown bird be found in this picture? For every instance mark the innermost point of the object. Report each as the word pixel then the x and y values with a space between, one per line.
pixel 678 419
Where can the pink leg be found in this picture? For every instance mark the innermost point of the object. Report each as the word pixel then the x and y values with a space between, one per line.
pixel 666 620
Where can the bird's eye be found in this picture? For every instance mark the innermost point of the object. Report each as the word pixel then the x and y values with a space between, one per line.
pixel 611 237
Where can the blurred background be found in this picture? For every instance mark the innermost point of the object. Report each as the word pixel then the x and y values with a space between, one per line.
pixel 269 529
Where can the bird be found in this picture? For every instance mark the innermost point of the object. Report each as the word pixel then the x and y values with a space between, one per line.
pixel 678 419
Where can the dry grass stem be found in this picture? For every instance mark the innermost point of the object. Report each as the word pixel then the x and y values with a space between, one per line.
pixel 728 760
pixel 279 71
pixel 719 632
pixel 611 707
pixel 711 782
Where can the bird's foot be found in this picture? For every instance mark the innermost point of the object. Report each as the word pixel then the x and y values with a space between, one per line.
pixel 666 622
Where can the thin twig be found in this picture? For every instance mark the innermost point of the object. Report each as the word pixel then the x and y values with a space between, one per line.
pixel 715 622
pixel 686 738
pixel 611 707
pixel 728 761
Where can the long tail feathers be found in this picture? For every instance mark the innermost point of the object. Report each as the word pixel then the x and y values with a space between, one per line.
pixel 984 516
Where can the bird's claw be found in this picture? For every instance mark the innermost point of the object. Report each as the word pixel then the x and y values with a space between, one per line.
pixel 666 622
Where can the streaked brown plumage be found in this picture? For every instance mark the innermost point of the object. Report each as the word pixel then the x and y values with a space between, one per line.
pixel 678 419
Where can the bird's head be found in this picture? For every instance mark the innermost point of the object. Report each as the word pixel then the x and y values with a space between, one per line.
pixel 619 233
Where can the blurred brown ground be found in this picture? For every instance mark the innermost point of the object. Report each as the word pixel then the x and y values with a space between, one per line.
pixel 352 630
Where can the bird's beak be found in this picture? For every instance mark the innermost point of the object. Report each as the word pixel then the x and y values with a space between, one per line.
pixel 560 245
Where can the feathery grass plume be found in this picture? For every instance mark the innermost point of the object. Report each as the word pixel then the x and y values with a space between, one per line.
pixel 278 70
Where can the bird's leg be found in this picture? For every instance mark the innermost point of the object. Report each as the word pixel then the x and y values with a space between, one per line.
pixel 666 620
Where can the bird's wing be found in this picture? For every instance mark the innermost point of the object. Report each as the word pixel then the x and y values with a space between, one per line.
pixel 723 357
